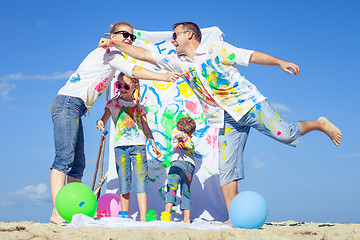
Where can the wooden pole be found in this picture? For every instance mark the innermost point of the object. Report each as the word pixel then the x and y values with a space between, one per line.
pixel 101 182
pixel 97 161
pixel 103 150
pixel 101 165
pixel 101 154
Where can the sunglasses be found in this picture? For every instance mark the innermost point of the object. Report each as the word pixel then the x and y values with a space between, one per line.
pixel 174 36
pixel 125 86
pixel 126 34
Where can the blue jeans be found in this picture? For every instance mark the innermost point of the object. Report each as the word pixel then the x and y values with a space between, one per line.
pixel 180 173
pixel 66 112
pixel 233 136
pixel 136 156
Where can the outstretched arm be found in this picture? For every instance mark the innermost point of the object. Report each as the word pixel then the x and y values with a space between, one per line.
pixel 100 124
pixel 149 136
pixel 143 73
pixel 133 51
pixel 265 59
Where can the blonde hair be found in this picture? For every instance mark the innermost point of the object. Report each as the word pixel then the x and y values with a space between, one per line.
pixel 116 25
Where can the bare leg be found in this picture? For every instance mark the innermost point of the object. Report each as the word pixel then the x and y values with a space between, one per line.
pixel 71 179
pixel 323 125
pixel 229 191
pixel 142 201
pixel 187 216
pixel 57 181
pixel 168 206
pixel 124 200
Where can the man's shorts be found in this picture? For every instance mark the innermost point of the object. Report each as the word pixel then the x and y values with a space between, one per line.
pixel 233 136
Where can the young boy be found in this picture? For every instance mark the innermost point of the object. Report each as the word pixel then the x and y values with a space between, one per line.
pixel 182 166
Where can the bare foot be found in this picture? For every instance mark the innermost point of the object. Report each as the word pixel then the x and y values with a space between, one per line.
pixel 56 218
pixel 187 221
pixel 331 130
pixel 228 223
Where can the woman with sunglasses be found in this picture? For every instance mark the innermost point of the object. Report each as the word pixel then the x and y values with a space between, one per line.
pixel 80 92
pixel 131 131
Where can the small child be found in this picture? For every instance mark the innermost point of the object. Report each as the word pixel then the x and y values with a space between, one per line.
pixel 182 166
pixel 129 116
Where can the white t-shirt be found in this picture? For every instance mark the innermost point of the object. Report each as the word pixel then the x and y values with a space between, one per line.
pixel 216 81
pixel 95 73
pixel 126 117
pixel 187 153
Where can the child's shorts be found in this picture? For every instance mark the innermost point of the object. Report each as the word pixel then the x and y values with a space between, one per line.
pixel 132 157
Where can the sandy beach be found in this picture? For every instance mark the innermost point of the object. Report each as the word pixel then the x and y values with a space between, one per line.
pixel 278 230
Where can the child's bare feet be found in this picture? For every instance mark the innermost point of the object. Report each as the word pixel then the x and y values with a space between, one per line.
pixel 187 221
pixel 56 218
pixel 331 130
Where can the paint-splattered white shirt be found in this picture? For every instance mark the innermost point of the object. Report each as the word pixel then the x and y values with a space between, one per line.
pixel 216 81
pixel 187 153
pixel 95 73
pixel 126 117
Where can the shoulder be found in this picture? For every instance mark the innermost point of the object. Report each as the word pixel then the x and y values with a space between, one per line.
pixel 142 107
pixel 110 103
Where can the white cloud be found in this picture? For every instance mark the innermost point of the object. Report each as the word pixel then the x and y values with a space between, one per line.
pixel 8 82
pixel 351 155
pixel 5 89
pixel 34 195
pixel 256 164
pixel 279 107
pixel 20 76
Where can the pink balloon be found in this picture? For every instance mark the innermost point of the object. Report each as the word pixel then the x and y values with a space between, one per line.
pixel 111 203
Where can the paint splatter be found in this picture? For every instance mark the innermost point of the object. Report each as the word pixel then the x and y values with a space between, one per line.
pixel 193 107
pixel 75 79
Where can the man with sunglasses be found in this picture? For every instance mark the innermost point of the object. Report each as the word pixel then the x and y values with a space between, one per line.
pixel 230 102
pixel 80 92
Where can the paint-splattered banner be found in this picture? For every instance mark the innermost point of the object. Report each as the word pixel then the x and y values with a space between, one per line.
pixel 166 103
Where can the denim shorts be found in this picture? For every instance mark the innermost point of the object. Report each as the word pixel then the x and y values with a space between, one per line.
pixel 233 136
pixel 132 157
pixel 180 174
pixel 66 112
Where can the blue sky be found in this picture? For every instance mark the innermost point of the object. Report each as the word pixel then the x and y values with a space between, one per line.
pixel 41 42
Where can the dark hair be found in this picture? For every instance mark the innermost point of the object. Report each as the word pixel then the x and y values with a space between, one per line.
pixel 186 125
pixel 190 26
pixel 116 25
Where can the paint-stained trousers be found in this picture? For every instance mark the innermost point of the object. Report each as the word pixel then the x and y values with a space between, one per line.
pixel 233 136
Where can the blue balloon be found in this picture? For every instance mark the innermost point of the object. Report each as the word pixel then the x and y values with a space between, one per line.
pixel 248 210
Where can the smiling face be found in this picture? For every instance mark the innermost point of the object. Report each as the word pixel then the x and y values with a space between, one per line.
pixel 181 39
pixel 120 36
pixel 126 87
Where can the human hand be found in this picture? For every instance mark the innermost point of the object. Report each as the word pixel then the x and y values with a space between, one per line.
pixel 180 145
pixel 100 124
pixel 105 43
pixel 157 151
pixel 286 66
pixel 172 76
